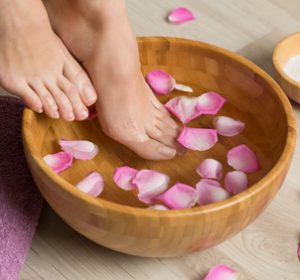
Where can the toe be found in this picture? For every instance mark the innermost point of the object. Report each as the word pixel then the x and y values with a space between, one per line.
pixel 32 100
pixel 80 110
pixel 139 142
pixel 152 150
pixel 77 76
pixel 64 105
pixel 29 97
pixel 165 127
pixel 163 115
pixel 49 104
pixel 170 134
pixel 162 136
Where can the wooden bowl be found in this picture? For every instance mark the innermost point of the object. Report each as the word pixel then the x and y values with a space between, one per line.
pixel 284 50
pixel 117 219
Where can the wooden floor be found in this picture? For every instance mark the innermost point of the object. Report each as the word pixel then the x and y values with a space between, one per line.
pixel 266 250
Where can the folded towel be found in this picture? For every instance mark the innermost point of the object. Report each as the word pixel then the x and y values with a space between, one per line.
pixel 20 201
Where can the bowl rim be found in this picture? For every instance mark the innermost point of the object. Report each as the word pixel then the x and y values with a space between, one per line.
pixel 275 60
pixel 275 171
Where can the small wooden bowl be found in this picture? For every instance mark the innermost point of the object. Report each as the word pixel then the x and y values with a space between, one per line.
pixel 284 50
pixel 116 219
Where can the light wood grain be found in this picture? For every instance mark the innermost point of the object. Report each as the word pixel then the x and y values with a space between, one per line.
pixel 264 250
pixel 252 97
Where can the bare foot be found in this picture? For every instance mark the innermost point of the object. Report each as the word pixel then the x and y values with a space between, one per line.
pixel 99 35
pixel 36 66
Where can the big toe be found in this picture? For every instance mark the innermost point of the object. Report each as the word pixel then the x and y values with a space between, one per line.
pixel 78 76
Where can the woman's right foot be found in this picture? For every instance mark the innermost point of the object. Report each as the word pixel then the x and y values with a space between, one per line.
pixel 36 66
pixel 99 36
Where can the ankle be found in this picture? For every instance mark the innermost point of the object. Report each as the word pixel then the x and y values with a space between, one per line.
pixel 100 8
pixel 98 13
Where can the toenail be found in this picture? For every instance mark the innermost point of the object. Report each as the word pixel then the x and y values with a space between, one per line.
pixel 84 113
pixel 40 110
pixel 89 93
pixel 166 151
pixel 56 115
pixel 70 116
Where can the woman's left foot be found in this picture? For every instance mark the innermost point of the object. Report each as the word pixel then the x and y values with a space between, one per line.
pixel 99 35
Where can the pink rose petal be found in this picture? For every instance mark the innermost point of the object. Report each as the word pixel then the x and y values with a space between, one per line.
pixel 221 272
pixel 161 82
pixel 227 126
pixel 179 196
pixel 79 149
pixel 92 184
pixel 184 108
pixel 150 183
pixel 236 182
pixel 210 103
pixel 180 15
pixel 210 169
pixel 210 191
pixel 59 161
pixel 242 158
pixel 198 139
pixel 184 88
pixel 158 207
pixel 123 177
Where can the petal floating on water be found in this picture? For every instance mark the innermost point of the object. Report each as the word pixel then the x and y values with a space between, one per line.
pixel 179 196
pixel 198 139
pixel 161 82
pixel 210 169
pixel 79 149
pixel 150 184
pixel 242 158
pixel 92 184
pixel 210 191
pixel 227 126
pixel 123 177
pixel 59 161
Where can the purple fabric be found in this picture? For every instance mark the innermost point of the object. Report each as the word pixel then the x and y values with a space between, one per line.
pixel 20 201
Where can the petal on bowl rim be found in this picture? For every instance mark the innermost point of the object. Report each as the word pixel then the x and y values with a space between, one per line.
pixel 79 149
pixel 160 81
pixel 92 184
pixel 210 103
pixel 227 126
pixel 179 196
pixel 150 184
pixel 198 139
pixel 184 108
pixel 221 272
pixel 180 15
pixel 210 191
pixel 236 181
pixel 210 169
pixel 242 158
pixel 58 162
pixel 123 177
